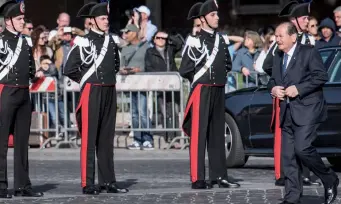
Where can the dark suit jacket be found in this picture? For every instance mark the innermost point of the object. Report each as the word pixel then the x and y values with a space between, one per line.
pixel 307 72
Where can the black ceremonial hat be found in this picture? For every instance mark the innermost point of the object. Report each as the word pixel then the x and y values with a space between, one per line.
pixel 194 11
pixel 208 7
pixel 295 9
pixel 100 9
pixel 12 9
pixel 85 10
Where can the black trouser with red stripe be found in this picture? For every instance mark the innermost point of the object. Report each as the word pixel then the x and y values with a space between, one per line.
pixel 96 118
pixel 15 118
pixel 205 122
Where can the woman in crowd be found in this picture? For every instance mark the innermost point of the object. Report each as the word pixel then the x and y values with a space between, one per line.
pixel 246 56
pixel 161 58
pixel 313 28
pixel 40 48
pixel 269 40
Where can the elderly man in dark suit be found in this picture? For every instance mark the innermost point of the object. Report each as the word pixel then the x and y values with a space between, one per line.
pixel 297 79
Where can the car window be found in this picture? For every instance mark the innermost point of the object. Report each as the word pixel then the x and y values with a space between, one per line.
pixel 325 54
pixel 334 71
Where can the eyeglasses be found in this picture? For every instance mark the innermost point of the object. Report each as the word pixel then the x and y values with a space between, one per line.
pixel 160 38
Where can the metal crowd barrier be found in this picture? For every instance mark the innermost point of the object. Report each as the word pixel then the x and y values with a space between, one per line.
pixel 166 94
pixel 43 93
pixel 236 80
pixel 71 90
pixel 158 87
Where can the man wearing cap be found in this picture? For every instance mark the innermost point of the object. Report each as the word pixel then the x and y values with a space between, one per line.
pixel 133 61
pixel 205 63
pixel 17 68
pixel 93 62
pixel 147 29
pixel 298 14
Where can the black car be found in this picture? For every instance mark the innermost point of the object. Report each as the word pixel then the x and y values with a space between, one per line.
pixel 248 114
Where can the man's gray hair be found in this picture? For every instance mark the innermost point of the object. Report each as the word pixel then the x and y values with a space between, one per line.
pixel 338 9
pixel 291 28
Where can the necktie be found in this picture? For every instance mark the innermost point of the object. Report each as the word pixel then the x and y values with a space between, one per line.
pixel 285 61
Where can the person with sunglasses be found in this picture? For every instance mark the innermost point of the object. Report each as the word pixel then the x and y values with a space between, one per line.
pixel 40 47
pixel 161 58
pixel 313 27
pixel 28 28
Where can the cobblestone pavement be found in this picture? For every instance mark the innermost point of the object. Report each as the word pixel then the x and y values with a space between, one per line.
pixel 152 177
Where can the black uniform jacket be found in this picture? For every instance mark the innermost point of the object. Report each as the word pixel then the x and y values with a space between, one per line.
pixel 24 68
pixel 194 50
pixel 78 62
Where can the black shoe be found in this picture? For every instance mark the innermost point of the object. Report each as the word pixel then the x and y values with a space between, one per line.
pixel 330 193
pixel 113 188
pixel 91 190
pixel 280 182
pixel 27 192
pixel 225 183
pixel 4 194
pixel 308 182
pixel 201 185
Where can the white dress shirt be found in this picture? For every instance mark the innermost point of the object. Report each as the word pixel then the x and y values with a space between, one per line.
pixel 290 54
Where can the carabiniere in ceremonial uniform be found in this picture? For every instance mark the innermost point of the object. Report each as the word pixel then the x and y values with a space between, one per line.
pixel 205 63
pixel 16 69
pixel 93 62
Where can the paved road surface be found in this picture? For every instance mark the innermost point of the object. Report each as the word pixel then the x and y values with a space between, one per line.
pixel 153 177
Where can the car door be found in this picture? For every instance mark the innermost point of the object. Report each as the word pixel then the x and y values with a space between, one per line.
pixel 261 111
pixel 260 118
pixel 329 133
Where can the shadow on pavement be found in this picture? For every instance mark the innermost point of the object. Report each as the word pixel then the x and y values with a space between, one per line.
pixel 127 183
pixel 312 199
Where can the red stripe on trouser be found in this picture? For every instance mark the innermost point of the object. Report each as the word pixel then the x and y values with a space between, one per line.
pixel 277 137
pixel 83 106
pixel 194 102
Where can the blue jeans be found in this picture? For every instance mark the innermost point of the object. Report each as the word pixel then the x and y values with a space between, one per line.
pixel 52 112
pixel 139 108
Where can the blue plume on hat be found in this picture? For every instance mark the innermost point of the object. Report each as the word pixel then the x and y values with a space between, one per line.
pixel 18 1
pixel 104 1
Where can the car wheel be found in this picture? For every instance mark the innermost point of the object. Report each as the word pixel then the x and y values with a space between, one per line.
pixel 335 162
pixel 235 156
